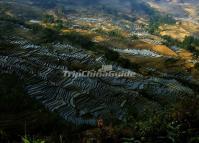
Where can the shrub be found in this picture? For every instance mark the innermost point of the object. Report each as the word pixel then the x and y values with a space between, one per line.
pixel 111 55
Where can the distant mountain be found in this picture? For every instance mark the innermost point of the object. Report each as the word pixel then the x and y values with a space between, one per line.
pixel 125 8
pixel 177 8
pixel 176 1
pixel 128 9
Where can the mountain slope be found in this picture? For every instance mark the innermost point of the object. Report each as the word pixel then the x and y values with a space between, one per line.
pixel 47 45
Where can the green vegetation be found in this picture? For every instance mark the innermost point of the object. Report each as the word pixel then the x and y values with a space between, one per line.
pixel 28 140
pixel 79 39
pixel 168 41
pixel 134 37
pixel 115 57
pixel 156 19
pixel 197 66
pixel 48 19
pixel 43 35
pixel 176 122
pixel 8 24
pixel 115 33
pixel 111 55
pixel 58 25
pixel 47 36
pixel 190 43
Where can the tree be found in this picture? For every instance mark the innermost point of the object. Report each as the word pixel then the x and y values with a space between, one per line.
pixel 58 25
pixel 169 41
pixel 196 66
pixel 190 43
pixel 83 40
pixel 111 55
pixel 134 37
pixel 48 19
pixel 115 33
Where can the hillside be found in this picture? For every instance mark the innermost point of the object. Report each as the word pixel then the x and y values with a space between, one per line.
pixel 98 71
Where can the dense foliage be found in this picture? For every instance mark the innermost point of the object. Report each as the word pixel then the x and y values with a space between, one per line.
pixel 189 43
pixel 168 41
pixel 156 19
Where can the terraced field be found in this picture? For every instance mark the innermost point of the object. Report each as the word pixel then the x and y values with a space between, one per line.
pixel 74 98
